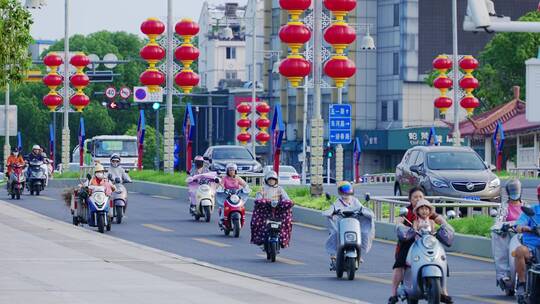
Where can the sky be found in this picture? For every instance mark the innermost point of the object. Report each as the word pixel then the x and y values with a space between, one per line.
pixel 88 16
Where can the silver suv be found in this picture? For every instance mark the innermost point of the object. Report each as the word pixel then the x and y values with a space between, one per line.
pixel 447 171
pixel 217 158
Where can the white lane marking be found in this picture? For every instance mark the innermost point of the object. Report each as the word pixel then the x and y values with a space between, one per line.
pixel 45 198
pixel 482 299
pixel 284 260
pixel 162 197
pixel 210 242
pixel 158 228
pixel 309 226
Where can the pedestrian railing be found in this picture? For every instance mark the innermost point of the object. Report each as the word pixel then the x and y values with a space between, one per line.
pixel 253 179
pixel 379 178
pixel 525 171
pixel 386 208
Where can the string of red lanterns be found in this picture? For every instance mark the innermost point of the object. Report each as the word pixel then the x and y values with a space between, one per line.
pixel 52 80
pixel 442 64
pixel 263 123
pixel 243 123
pixel 186 53
pixel 152 53
pixel 468 83
pixel 79 81
pixel 295 34
pixel 339 35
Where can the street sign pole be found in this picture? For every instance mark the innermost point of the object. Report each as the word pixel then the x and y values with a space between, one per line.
pixel 339 123
pixel 168 132
pixel 7 147
pixel 339 148
pixel 65 130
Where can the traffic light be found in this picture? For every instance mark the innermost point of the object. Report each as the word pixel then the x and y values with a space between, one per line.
pixel 117 105
pixel 329 151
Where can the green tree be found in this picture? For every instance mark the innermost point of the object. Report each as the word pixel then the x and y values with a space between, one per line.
pixel 502 64
pixel 15 24
pixel 149 145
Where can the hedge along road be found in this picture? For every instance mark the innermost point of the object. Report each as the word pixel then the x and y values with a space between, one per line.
pixel 164 223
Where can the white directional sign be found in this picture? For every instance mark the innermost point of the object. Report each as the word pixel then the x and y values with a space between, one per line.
pixel 125 92
pixel 141 94
pixel 110 92
pixel 12 114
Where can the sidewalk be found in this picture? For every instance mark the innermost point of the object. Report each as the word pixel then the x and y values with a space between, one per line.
pixel 46 261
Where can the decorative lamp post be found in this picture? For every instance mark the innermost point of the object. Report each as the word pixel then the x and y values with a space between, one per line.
pixel 295 34
pixel 152 53
pixel 442 64
pixel 79 81
pixel 468 83
pixel 52 80
pixel 243 123
pixel 263 123
pixel 186 53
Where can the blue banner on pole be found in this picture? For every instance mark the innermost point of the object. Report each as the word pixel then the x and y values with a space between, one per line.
pixel 19 141
pixel 433 137
pixel 498 137
pixel 141 127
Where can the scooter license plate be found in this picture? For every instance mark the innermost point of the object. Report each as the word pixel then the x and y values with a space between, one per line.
pixel 472 198
pixel 274 226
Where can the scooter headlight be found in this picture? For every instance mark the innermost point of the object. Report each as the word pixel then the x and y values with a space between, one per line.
pixel 235 199
pixel 429 242
pixel 350 237
pixel 100 198
pixel 204 188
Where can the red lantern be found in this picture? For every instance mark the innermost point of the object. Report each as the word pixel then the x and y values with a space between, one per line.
pixel 442 83
pixel 52 101
pixel 294 34
pixel 243 137
pixel 262 137
pixel 468 64
pixel 442 62
pixel 152 27
pixel 152 78
pixel 295 68
pixel 79 81
pixel 340 7
pixel 339 35
pixel 263 123
pixel 263 107
pixel 79 101
pixel 52 60
pixel 468 83
pixel 243 108
pixel 294 5
pixel 187 27
pixel 443 103
pixel 186 80
pixel 469 103
pixel 244 123
pixel 79 60
pixel 52 80
pixel 186 53
pixel 152 53
pixel 340 68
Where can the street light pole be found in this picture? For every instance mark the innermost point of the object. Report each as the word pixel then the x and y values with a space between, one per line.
pixel 7 147
pixel 253 70
pixel 157 160
pixel 304 132
pixel 456 135
pixel 168 142
pixel 65 130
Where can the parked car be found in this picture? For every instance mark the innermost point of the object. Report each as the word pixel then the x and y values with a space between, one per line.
pixel 287 175
pixel 447 171
pixel 325 179
pixel 217 157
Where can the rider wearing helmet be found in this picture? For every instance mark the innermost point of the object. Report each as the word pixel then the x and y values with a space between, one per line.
pixel 36 154
pixel 13 159
pixel 100 179
pixel 271 190
pixel 199 167
pixel 230 181
pixel 347 202
pixel 117 171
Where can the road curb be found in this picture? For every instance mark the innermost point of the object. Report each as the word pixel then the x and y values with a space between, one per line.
pixel 471 245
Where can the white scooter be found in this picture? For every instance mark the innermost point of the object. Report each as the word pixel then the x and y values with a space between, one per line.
pixel 202 188
pixel 120 199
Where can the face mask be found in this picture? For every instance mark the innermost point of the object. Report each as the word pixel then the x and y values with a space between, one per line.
pixel 114 164
pixel 16 153
pixel 99 175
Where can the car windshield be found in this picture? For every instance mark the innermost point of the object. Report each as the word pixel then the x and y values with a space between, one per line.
pixel 454 161
pixel 287 169
pixel 105 148
pixel 231 153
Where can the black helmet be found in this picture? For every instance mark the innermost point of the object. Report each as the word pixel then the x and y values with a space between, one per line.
pixel 14 149
pixel 513 189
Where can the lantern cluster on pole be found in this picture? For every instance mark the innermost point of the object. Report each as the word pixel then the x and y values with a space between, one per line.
pixel 295 33
pixel 442 64
pixel 339 35
pixel 152 53
pixel 244 123
pixel 468 83
pixel 52 80
pixel 186 53
pixel 79 81
pixel 263 123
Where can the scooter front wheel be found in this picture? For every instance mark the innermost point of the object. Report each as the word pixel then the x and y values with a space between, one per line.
pixel 273 251
pixel 101 223
pixel 411 301
pixel 236 228
pixel 206 211
pixel 119 214
pixel 351 268
pixel 433 286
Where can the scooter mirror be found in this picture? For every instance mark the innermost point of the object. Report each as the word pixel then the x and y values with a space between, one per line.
pixel 127 170
pixel 110 177
pixel 493 212
pixel 328 196
pixel 528 211
pixel 403 211
pixel 117 180
pixel 88 176
pixel 368 197
pixel 451 214
pixel 216 180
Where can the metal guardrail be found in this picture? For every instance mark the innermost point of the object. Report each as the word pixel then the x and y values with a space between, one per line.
pixel 393 203
pixel 525 171
pixel 253 179
pixel 379 178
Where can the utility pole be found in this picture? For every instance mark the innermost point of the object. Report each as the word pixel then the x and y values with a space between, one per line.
pixel 65 130
pixel 157 160
pixel 304 132
pixel 254 78
pixel 7 147
pixel 456 136
pixel 168 132
pixel 317 123
pixel 339 148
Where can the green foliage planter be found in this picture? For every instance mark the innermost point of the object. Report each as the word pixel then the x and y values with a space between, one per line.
pixel 477 225
pixel 177 178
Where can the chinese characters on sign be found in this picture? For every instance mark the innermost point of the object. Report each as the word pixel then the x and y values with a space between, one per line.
pixel 340 124
pixel 421 138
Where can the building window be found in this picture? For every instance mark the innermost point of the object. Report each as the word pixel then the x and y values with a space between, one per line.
pixel 395 64
pixel 395 111
pixel 230 74
pixel 396 14
pixel 230 52
pixel 384 111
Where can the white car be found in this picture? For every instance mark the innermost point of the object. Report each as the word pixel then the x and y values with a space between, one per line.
pixel 287 175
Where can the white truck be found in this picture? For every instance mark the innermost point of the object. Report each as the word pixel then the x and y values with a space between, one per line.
pixel 100 148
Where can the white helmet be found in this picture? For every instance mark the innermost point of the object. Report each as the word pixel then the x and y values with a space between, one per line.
pixel 271 175
pixel 36 147
pixel 231 166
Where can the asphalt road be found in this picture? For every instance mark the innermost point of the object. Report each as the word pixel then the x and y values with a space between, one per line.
pixel 165 223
